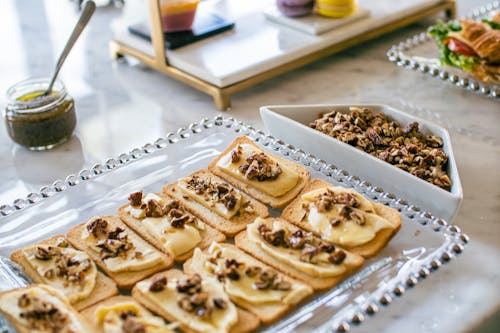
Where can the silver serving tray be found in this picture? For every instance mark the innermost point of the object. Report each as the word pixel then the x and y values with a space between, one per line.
pixel 422 245
pixel 420 54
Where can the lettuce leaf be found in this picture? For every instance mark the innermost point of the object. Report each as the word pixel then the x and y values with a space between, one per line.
pixel 467 63
pixel 492 24
pixel 441 29
pixel 446 56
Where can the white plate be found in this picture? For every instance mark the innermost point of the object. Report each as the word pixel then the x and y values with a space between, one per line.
pixel 290 123
pixel 314 24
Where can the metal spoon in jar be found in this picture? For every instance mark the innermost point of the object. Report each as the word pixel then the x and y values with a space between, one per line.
pixel 87 12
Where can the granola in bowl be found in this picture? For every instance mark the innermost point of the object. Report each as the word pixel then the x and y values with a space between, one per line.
pixel 405 147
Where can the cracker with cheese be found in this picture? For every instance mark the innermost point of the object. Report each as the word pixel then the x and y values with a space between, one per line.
pixel 270 179
pixel 250 283
pixel 298 253
pixel 117 250
pixel 41 308
pixel 197 304
pixel 343 217
pixel 56 263
pixel 123 314
pixel 216 202
pixel 164 222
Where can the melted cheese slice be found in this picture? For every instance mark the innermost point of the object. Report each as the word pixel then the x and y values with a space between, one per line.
pixel 129 262
pixel 73 291
pixel 243 287
pixel 108 318
pixel 348 233
pixel 275 188
pixel 176 241
pixel 9 305
pixel 291 257
pixel 218 208
pixel 220 321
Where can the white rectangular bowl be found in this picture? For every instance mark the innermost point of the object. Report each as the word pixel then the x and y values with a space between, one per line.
pixel 290 123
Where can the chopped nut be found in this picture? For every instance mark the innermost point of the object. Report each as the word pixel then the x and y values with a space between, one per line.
pixel 335 221
pixel 337 257
pixel 235 154
pixel 154 208
pixel 61 242
pixel 198 299
pixel 213 192
pixel 219 303
pixel 189 285
pixel 308 253
pixel 135 199
pixel 185 304
pixel 404 147
pixel 259 167
pixel 43 253
pixel 41 315
pixel 326 247
pixel 158 284
pixel 24 301
pixel 252 271
pixel 97 227
pixel 49 274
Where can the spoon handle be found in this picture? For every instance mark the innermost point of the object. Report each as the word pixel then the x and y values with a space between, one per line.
pixel 87 12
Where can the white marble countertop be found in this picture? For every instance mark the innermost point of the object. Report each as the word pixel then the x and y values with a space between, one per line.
pixel 120 107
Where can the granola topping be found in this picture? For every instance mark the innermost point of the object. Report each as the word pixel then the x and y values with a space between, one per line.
pixel 404 147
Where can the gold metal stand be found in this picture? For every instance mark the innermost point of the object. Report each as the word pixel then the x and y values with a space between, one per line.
pixel 221 95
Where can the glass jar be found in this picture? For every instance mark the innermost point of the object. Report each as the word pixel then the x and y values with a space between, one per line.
pixel 177 15
pixel 36 121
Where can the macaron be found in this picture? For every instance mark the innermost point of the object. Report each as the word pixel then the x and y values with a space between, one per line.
pixel 295 7
pixel 336 8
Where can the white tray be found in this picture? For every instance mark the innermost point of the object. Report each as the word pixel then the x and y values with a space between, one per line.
pixel 420 247
pixel 290 123
pixel 256 45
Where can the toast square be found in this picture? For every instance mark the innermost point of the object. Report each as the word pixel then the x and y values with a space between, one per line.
pixel 91 315
pixel 104 287
pixel 57 305
pixel 316 282
pixel 266 312
pixel 295 213
pixel 247 322
pixel 207 233
pixel 124 279
pixel 249 209
pixel 246 186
